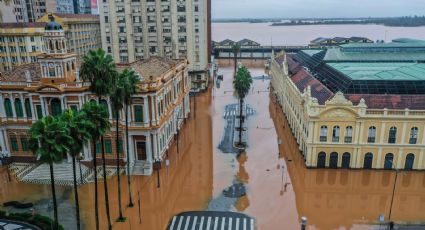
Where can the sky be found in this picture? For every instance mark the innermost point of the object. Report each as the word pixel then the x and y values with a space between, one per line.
pixel 315 8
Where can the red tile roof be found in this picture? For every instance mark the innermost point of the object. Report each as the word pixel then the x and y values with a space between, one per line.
pixel 389 101
pixel 303 79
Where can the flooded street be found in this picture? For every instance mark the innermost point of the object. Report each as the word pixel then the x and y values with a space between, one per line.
pixel 279 188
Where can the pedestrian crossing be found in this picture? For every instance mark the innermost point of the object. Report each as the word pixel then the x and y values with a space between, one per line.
pixel 232 111
pixel 211 221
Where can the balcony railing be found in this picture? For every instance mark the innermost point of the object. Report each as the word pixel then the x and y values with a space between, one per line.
pixel 413 140
pixel 335 139
pixel 348 139
pixel 371 140
pixel 323 139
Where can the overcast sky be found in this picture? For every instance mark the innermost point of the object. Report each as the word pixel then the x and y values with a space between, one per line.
pixel 315 8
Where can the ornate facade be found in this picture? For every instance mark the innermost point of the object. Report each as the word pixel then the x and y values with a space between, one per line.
pixel 52 85
pixel 351 129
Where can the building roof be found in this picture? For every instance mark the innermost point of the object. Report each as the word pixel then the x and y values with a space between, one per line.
pixel 337 54
pixel 389 101
pixel 23 73
pixel 406 71
pixel 302 79
pixel 250 42
pixel 226 41
pixel 152 68
pixel 14 25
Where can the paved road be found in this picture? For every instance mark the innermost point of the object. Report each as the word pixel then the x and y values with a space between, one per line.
pixel 207 220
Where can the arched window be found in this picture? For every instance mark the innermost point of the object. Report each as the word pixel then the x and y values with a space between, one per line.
pixel 335 134
pixel 333 161
pixel 413 135
pixel 321 160
pixel 323 133
pixel 28 108
pixel 389 159
pixel 392 135
pixel 50 45
pixel 18 108
pixel 55 106
pixel 345 161
pixel 371 135
pixel 348 134
pixel 368 159
pixel 410 159
pixel 8 107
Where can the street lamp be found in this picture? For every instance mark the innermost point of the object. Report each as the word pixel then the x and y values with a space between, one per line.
pixel 157 167
pixel 395 183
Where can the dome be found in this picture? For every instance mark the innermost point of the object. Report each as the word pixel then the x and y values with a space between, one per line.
pixel 52 25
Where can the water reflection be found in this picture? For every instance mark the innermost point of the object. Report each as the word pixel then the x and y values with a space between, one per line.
pixel 335 198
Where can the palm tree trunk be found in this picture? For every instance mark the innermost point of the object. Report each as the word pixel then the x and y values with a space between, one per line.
pixel 127 151
pixel 96 204
pixel 105 182
pixel 55 205
pixel 240 120
pixel 118 168
pixel 77 203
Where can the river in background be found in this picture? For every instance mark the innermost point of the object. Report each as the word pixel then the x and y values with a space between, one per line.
pixel 302 35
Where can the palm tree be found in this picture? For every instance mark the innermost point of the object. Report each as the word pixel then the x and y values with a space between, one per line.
pixel 236 48
pixel 78 126
pixel 242 84
pixel 47 138
pixel 117 105
pixel 98 115
pixel 130 81
pixel 98 68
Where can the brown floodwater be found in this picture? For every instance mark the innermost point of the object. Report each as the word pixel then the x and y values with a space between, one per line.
pixel 279 188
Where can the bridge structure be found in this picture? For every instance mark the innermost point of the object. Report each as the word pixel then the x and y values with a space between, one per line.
pixel 257 52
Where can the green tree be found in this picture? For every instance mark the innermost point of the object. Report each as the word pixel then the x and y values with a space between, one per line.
pixel 78 126
pixel 242 84
pixel 130 81
pixel 98 115
pixel 47 138
pixel 99 69
pixel 117 105
pixel 236 48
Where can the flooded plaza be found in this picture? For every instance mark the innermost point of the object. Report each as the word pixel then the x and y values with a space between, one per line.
pixel 279 188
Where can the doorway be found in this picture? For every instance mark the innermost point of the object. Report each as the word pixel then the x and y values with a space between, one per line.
pixel 141 150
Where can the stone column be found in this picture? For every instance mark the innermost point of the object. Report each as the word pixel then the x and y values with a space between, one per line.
pixel 2 141
pixel 24 110
pixel 149 148
pixel 3 110
pixel 131 147
pixel 12 102
pixel 155 145
pixel 153 110
pixel 399 158
pixel 145 111
pixel 32 108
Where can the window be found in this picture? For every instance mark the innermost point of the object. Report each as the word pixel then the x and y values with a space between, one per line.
pixel 104 103
pixel 392 135
pixel 24 144
pixel 410 159
pixel 348 134
pixel 138 113
pixel 413 135
pixel 323 133
pixel 371 134
pixel 8 107
pixel 108 146
pixel 120 146
pixel 335 134
pixel 18 108
pixel 39 111
pixel 368 159
pixel 14 143
pixel 98 148
pixel 389 159
pixel 28 108
pixel 321 160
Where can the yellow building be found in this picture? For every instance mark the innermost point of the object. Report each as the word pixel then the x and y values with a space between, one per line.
pixel 21 43
pixel 52 85
pixel 82 31
pixel 354 107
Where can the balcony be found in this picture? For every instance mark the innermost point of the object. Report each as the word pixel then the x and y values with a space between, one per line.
pixel 348 139
pixel 323 139
pixel 371 140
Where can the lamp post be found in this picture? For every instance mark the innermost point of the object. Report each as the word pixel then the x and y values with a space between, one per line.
pixel 394 187
pixel 157 167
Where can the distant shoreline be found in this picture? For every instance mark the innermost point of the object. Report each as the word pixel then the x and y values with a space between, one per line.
pixel 415 21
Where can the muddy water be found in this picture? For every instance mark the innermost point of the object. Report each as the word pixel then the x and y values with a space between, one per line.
pixel 279 188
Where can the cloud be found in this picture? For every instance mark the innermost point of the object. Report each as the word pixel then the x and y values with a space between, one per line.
pixel 315 8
